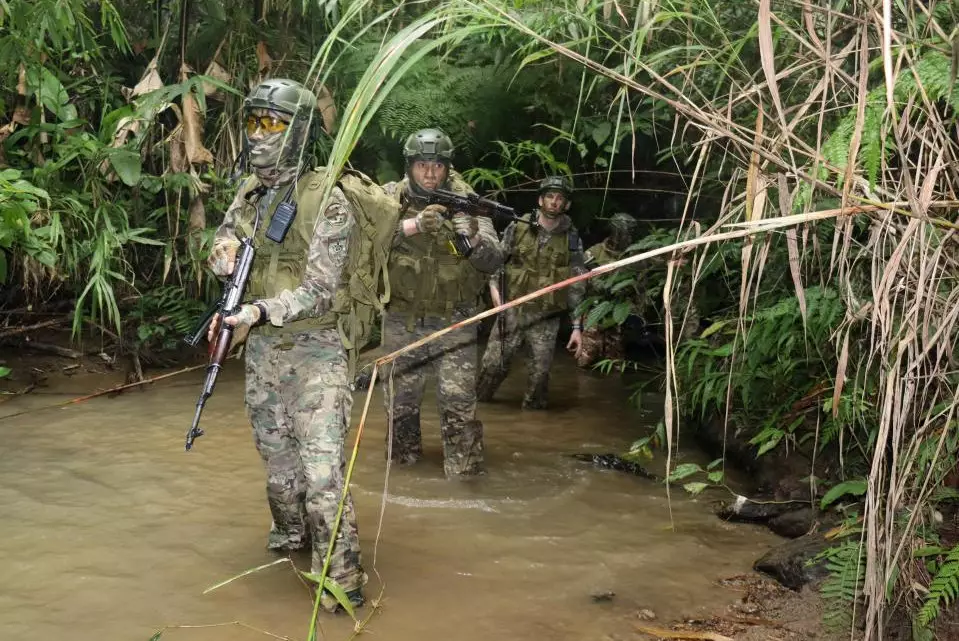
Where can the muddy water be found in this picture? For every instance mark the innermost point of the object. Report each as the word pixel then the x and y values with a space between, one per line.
pixel 110 531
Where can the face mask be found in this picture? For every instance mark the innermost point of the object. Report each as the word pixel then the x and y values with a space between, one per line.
pixel 268 151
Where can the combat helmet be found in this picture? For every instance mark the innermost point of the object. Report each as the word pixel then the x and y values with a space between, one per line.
pixel 429 144
pixel 623 222
pixel 281 94
pixel 293 99
pixel 557 183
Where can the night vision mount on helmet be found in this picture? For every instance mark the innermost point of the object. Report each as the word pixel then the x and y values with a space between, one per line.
pixel 281 94
pixel 428 144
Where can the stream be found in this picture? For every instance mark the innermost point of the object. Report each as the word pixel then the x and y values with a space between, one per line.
pixel 111 531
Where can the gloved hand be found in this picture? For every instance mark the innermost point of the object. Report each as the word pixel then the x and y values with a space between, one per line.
pixel 465 225
pixel 486 226
pixel 430 219
pixel 242 321
pixel 222 259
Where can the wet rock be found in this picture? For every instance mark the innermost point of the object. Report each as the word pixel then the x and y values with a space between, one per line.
pixel 646 614
pixel 603 596
pixel 793 525
pixel 362 380
pixel 789 563
pixel 615 462
pixel 745 510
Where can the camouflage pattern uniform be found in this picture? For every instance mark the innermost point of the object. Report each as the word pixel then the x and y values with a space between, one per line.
pixel 537 322
pixel 299 401
pixel 297 387
pixel 606 343
pixel 431 289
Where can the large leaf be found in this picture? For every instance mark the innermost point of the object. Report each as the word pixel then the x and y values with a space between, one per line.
pixel 50 92
pixel 856 488
pixel 601 132
pixel 127 165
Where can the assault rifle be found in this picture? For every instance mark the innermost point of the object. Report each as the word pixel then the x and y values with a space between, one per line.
pixel 228 305
pixel 474 206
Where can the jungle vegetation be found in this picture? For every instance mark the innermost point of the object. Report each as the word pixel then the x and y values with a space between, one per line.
pixel 823 134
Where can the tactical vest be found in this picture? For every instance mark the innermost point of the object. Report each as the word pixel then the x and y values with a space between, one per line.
pixel 280 266
pixel 603 255
pixel 531 267
pixel 426 279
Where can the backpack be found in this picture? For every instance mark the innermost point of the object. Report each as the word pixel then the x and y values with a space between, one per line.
pixel 361 298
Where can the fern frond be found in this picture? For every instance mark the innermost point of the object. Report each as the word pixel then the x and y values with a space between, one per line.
pixel 943 589
pixel 846 565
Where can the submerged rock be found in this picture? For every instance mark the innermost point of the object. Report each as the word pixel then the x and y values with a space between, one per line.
pixel 793 525
pixel 615 462
pixel 602 596
pixel 789 563
pixel 746 510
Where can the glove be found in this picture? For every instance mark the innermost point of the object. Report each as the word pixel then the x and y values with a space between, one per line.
pixel 242 321
pixel 465 225
pixel 430 219
pixel 486 227
pixel 222 259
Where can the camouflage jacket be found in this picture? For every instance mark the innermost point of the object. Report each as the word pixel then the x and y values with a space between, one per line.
pixel 577 262
pixel 326 257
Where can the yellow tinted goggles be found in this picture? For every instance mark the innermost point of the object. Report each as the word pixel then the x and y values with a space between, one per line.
pixel 269 124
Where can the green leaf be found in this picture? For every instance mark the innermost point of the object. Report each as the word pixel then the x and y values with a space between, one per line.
pixel 127 165
pixel 722 351
pixel 601 132
pixel 921 633
pixel 716 477
pixel 621 312
pixel 50 93
pixel 335 589
pixel 714 464
pixel 4 371
pixel 712 329
pixel 695 488
pixel 856 488
pixel 770 444
pixel 684 470
pixel 3 266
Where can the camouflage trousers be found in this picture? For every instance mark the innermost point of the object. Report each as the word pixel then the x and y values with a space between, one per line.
pixel 299 403
pixel 539 332
pixel 599 344
pixel 452 358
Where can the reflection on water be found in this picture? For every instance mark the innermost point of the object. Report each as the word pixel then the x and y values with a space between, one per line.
pixel 111 531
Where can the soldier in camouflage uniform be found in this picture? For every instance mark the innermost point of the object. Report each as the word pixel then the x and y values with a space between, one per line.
pixel 297 388
pixel 432 287
pixel 536 256
pixel 607 343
